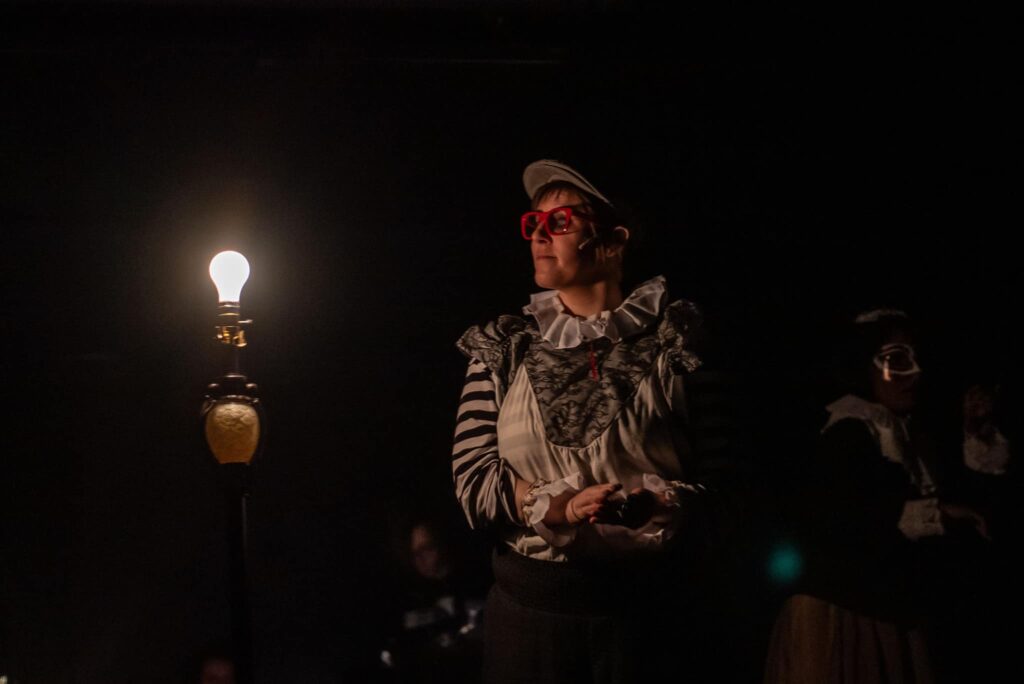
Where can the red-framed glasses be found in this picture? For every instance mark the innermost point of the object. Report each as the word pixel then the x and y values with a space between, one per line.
pixel 557 221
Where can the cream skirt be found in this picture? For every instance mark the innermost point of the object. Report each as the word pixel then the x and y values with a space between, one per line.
pixel 817 642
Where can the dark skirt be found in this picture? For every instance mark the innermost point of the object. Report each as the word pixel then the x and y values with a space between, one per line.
pixel 548 623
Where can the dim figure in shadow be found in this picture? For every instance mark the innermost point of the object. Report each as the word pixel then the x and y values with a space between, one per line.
pixel 436 631
pixel 879 524
pixel 571 448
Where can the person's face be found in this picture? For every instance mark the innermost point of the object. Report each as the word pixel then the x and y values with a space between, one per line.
pixel 559 263
pixel 426 556
pixel 896 392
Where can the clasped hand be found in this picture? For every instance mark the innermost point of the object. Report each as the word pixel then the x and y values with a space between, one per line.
pixel 596 505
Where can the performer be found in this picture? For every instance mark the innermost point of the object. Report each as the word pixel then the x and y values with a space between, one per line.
pixel 571 446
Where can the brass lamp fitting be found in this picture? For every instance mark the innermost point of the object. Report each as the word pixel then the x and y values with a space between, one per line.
pixel 230 330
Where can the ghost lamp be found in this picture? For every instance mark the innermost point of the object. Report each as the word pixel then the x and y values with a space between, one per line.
pixel 232 419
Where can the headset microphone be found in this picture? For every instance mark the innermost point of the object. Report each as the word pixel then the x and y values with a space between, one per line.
pixel 595 236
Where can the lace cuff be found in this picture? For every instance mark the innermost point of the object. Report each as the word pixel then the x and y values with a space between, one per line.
pixel 921 518
pixel 660 528
pixel 537 503
pixel 667 490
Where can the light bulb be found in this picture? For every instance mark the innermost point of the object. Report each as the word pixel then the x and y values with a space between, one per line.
pixel 229 271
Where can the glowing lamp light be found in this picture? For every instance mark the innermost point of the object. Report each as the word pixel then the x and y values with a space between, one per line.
pixel 229 271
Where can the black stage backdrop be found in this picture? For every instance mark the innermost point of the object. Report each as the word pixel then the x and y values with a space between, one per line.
pixel 785 169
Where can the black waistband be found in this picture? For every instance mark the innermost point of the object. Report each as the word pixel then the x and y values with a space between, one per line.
pixel 585 588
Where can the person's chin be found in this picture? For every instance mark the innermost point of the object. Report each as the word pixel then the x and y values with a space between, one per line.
pixel 546 280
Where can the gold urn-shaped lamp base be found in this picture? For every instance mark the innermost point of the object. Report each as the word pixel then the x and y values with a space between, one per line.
pixel 232 428
pixel 232 419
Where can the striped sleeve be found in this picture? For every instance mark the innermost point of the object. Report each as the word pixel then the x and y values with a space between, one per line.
pixel 484 483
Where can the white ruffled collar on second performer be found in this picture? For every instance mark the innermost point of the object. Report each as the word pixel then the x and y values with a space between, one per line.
pixel 565 331
pixel 889 430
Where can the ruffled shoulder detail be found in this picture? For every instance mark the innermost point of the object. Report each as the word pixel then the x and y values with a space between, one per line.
pixel 888 430
pixel 852 406
pixel 499 344
pixel 678 325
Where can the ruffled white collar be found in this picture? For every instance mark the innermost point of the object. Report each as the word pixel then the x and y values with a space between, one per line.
pixel 888 429
pixel 565 331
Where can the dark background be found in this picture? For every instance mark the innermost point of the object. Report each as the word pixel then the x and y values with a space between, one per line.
pixel 786 168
